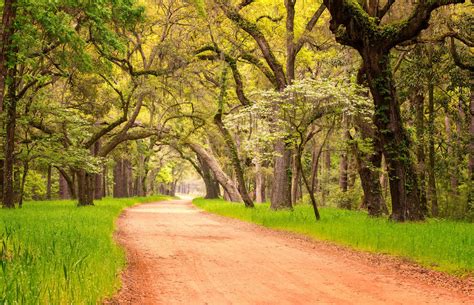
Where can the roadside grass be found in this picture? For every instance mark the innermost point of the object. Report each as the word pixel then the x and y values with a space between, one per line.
pixel 437 244
pixel 53 252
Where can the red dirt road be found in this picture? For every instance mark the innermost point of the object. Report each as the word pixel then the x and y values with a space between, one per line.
pixel 180 255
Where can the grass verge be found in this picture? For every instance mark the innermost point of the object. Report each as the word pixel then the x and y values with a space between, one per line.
pixel 437 244
pixel 55 253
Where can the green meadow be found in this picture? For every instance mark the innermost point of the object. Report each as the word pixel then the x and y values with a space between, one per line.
pixel 437 244
pixel 53 252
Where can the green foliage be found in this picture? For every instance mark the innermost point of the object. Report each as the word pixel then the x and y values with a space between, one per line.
pixel 291 113
pixel 165 174
pixel 438 244
pixel 200 6
pixel 55 253
pixel 35 186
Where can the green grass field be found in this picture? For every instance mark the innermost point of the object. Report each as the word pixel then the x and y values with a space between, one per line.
pixel 438 244
pixel 55 253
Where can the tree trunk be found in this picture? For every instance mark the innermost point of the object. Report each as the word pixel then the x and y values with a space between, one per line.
pixel 281 186
pixel 419 103
pixel 295 180
pixel 48 183
pixel 470 199
pixel 343 169
pixel 259 183
pixel 10 105
pixel 234 157
pixel 315 157
pixel 7 30
pixel 63 188
pixel 26 167
pixel 453 179
pixel 127 178
pixel 307 183
pixel 98 192
pixel 140 189
pixel 344 163
pixel 2 166
pixel 368 167
pixel 98 186
pixel 224 180
pixel 326 174
pixel 212 186
pixel 404 188
pixel 105 187
pixel 85 188
pixel 118 191
pixel 431 153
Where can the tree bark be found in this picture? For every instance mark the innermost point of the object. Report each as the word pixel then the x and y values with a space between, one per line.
pixel 8 73
pixel 26 167
pixel 308 185
pixel 63 187
pixel 118 191
pixel 234 157
pixel 368 167
pixel 212 186
pixel 315 157
pixel 326 173
pixel 2 166
pixel 224 180
pixel 128 178
pixel 48 183
pixel 433 196
pixel 344 162
pixel 98 191
pixel 105 187
pixel 10 105
pixel 295 180
pixel 7 31
pixel 281 186
pixel 85 188
pixel 452 158
pixel 470 198
pixel 404 187
pixel 259 183
pixel 419 103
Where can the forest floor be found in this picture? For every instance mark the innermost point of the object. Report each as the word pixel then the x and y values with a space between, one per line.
pixel 178 254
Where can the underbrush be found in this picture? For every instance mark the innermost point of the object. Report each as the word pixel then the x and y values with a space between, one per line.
pixel 53 252
pixel 438 244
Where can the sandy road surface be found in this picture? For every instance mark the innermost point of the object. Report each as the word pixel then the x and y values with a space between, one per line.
pixel 179 255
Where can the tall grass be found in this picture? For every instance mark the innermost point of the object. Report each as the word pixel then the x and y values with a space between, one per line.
pixel 55 253
pixel 438 244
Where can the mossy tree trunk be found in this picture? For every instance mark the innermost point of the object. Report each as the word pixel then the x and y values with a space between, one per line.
pixel 10 106
pixel 230 143
pixel 403 180
pixel 359 26
pixel 368 167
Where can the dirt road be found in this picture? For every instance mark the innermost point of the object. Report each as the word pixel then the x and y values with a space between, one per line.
pixel 179 255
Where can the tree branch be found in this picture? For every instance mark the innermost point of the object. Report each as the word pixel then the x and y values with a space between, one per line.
pixel 309 27
pixel 233 14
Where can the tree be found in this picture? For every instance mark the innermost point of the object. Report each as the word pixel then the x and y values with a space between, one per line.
pixel 361 28
pixel 274 71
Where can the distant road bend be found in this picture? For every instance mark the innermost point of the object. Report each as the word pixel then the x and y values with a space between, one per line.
pixel 180 255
